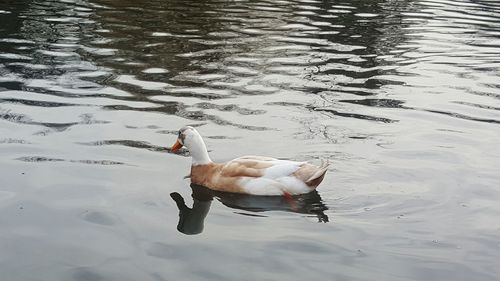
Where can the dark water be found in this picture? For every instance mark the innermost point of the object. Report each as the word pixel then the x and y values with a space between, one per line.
pixel 403 97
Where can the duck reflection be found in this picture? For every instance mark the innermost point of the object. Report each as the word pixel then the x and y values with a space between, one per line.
pixel 191 220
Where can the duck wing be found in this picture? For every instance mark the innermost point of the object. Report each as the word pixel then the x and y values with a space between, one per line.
pixel 260 166
pixel 265 176
pixel 260 176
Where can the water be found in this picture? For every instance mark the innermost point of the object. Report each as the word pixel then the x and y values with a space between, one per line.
pixel 401 96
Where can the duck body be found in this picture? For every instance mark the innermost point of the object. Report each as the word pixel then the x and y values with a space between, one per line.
pixel 256 175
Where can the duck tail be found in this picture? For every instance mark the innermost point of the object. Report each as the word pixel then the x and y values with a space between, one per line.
pixel 318 176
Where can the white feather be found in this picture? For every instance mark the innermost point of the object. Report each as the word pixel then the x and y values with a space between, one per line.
pixel 281 168
pixel 261 186
pixel 294 185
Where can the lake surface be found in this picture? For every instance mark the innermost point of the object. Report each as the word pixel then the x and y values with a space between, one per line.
pixel 403 98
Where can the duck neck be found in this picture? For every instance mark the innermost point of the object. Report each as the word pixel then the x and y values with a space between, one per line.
pixel 199 152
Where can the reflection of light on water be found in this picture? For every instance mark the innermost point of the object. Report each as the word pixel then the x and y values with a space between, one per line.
pixel 6 195
pixel 402 96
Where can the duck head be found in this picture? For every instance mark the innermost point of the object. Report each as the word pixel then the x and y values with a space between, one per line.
pixel 192 140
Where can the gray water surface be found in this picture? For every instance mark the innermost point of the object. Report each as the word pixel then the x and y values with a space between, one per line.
pixel 403 98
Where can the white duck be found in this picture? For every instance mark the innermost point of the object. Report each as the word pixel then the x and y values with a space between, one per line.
pixel 256 175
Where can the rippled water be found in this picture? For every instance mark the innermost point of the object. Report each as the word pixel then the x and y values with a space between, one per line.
pixel 403 97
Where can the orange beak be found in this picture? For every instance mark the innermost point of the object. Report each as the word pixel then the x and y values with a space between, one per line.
pixel 176 146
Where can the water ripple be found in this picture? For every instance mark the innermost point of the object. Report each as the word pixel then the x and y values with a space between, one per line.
pixel 48 159
pixel 401 96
